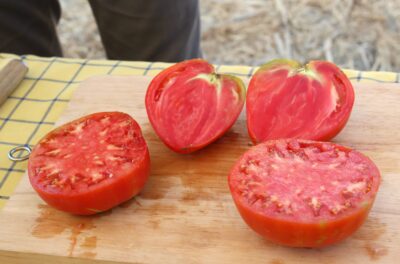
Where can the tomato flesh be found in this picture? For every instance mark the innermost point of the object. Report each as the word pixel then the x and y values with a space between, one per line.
pixel 91 164
pixel 304 193
pixel 190 106
pixel 288 100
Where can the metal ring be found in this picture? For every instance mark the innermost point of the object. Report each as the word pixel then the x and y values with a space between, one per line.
pixel 12 152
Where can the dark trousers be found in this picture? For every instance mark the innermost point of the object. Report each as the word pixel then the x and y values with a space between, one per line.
pixel 151 30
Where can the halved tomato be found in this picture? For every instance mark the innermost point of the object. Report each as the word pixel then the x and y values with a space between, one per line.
pixel 91 164
pixel 190 106
pixel 304 193
pixel 289 100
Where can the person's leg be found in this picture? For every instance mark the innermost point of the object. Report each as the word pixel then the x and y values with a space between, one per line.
pixel 29 27
pixel 151 30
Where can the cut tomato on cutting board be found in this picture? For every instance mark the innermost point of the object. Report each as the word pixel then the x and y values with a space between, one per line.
pixel 304 193
pixel 91 164
pixel 190 106
pixel 288 100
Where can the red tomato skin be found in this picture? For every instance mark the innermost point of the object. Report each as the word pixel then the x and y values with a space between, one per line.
pixel 323 68
pixel 303 234
pixel 203 67
pixel 289 233
pixel 103 196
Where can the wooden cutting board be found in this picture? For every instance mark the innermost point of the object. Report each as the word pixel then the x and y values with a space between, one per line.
pixel 185 213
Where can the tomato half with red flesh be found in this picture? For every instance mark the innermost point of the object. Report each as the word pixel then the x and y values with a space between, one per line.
pixel 190 106
pixel 288 100
pixel 304 193
pixel 91 164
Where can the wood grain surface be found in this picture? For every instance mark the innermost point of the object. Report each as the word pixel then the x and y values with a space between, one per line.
pixel 185 213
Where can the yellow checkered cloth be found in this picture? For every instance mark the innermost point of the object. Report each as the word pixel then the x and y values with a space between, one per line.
pixel 33 108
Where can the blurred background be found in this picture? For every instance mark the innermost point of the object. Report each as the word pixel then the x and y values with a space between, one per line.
pixel 359 34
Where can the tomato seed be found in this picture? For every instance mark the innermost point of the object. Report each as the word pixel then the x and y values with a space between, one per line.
pixel 67 156
pixel 99 162
pixel 52 153
pixel 105 120
pixel 103 133
pixel 113 147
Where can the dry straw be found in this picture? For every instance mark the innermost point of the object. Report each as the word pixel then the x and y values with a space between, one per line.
pixel 360 34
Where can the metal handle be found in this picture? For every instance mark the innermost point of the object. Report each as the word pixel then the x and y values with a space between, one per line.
pixel 12 153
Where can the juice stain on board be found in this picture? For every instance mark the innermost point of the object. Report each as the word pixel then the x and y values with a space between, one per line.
pixel 51 223
pixel 370 232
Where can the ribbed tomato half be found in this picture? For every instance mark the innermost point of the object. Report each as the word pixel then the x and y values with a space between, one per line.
pixel 289 100
pixel 190 106
pixel 304 193
pixel 90 164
